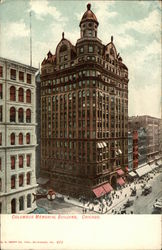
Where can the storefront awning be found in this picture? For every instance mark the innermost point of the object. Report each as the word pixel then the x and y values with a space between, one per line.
pixel 132 174
pixel 120 181
pixel 143 170
pixel 99 191
pixel 107 187
pixel 120 172
pixel 120 152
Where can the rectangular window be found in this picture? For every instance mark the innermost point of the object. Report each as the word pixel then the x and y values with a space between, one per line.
pixel 90 49
pixel 1 92
pixel 1 115
pixel 21 76
pixel 29 78
pixel 81 50
pixel 1 71
pixel 12 74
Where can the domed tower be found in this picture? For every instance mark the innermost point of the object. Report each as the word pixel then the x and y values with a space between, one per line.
pixel 88 24
pixel 88 44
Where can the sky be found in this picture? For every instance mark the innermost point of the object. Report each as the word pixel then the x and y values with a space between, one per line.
pixel 135 26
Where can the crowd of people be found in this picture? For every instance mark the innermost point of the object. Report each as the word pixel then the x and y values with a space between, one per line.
pixel 107 203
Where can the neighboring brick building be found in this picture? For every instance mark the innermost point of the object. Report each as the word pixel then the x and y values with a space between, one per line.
pixel 17 137
pixel 142 146
pixel 152 128
pixel 130 151
pixel 135 149
pixel 84 114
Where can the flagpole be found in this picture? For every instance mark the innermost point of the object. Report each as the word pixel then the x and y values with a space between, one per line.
pixel 30 40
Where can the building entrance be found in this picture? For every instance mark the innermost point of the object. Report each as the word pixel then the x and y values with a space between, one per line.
pixel 13 206
pixel 113 182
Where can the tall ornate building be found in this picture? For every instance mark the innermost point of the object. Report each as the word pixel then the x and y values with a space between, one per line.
pixel 17 137
pixel 84 114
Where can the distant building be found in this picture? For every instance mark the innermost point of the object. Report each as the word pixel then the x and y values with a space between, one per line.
pixel 135 149
pixel 152 128
pixel 142 146
pixel 84 114
pixel 17 137
pixel 130 151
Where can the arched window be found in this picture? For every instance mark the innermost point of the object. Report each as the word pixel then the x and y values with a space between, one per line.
pixel 28 200
pixel 12 114
pixel 27 138
pixel 28 96
pixel 12 139
pixel 21 180
pixel 28 157
pixel 20 139
pixel 28 115
pixel 21 115
pixel 13 182
pixel 28 178
pixel 13 206
pixel 12 162
pixel 21 161
pixel 21 95
pixel 12 93
pixel 21 203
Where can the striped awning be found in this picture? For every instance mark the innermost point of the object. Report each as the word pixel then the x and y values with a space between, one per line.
pixel 143 170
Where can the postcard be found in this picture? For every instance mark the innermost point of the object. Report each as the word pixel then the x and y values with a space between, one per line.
pixel 80 124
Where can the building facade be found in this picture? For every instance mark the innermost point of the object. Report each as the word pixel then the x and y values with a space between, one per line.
pixel 17 137
pixel 84 114
pixel 135 149
pixel 142 146
pixel 152 128
pixel 130 151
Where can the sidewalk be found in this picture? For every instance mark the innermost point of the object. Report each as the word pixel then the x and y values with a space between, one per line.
pixel 123 194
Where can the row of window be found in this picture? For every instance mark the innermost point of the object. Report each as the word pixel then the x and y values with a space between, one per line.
pixel 75 76
pixel 21 180
pixel 21 203
pixel 20 115
pixel 20 138
pixel 20 161
pixel 21 75
pixel 20 94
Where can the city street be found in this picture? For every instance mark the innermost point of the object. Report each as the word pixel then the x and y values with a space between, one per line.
pixel 144 204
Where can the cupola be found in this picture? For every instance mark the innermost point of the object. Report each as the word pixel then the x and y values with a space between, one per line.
pixel 88 24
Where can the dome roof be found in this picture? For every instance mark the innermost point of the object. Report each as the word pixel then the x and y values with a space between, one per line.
pixel 88 15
